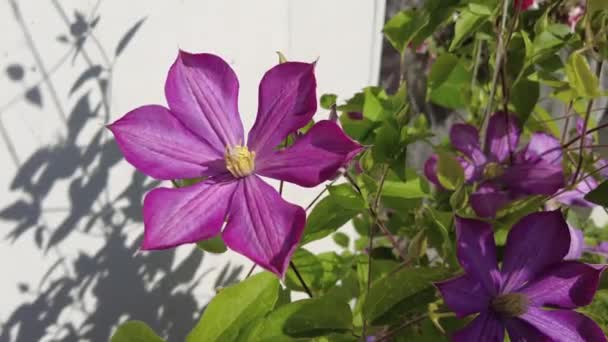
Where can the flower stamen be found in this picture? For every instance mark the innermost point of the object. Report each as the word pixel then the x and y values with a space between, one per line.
pixel 239 161
pixel 493 170
pixel 510 304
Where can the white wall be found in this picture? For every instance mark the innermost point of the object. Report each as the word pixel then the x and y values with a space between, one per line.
pixel 90 275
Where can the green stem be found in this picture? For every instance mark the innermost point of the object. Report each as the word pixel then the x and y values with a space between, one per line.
pixel 302 282
pixel 579 165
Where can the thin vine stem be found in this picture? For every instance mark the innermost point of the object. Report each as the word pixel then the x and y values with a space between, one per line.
pixel 370 246
pixel 302 282
pixel 374 215
pixel 497 63
pixel 391 333
pixel 579 165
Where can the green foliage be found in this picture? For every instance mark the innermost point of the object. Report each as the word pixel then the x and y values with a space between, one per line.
pixel 449 82
pixel 388 300
pixel 301 321
pixel 326 217
pixel 328 100
pixel 135 331
pixel 449 171
pixel 214 245
pixel 582 80
pixel 320 272
pixel 599 195
pixel 234 307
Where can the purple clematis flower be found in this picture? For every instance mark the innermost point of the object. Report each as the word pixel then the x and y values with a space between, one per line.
pixel 533 278
pixel 578 246
pixel 200 134
pixel 503 175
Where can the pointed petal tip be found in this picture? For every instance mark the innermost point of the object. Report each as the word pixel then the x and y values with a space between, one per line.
pixel 263 226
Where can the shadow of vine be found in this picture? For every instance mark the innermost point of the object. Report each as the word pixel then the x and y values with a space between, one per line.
pixel 113 283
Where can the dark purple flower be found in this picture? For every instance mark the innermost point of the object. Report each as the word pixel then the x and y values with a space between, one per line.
pixel 504 175
pixel 600 249
pixel 578 246
pixel 200 134
pixel 576 195
pixel 533 295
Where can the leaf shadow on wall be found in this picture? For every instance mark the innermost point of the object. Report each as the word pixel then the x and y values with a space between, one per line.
pixel 114 283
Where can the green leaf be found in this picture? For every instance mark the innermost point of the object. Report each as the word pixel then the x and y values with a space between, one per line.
pixel 372 107
pixel 303 319
pixel 341 239
pixel 326 217
pixel 346 196
pixel 541 120
pixel 411 189
pixel 398 30
pixel 598 309
pixel 599 195
pixel 135 331
pixel 386 143
pixel 468 22
pixel 320 272
pixel 449 171
pixel 400 293
pixel 328 100
pixel 545 44
pixel 214 245
pixel 449 82
pixel 235 306
pixel 524 96
pixel 581 78
pixel 459 198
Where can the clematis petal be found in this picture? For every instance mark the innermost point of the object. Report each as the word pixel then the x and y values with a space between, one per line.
pixel 543 146
pixel 159 145
pixel 430 170
pixel 502 136
pixel 177 216
pixel 471 172
pixel 537 178
pixel 577 244
pixel 601 249
pixel 262 226
pixel 522 331
pixel 489 199
pixel 537 241
pixel 464 295
pixel 567 285
pixel 564 325
pixel 202 91
pixel 465 138
pixel 287 102
pixel 313 159
pixel 485 327
pixel 576 196
pixel 476 251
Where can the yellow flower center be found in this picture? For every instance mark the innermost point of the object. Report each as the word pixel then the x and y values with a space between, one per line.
pixel 510 304
pixel 493 170
pixel 239 161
